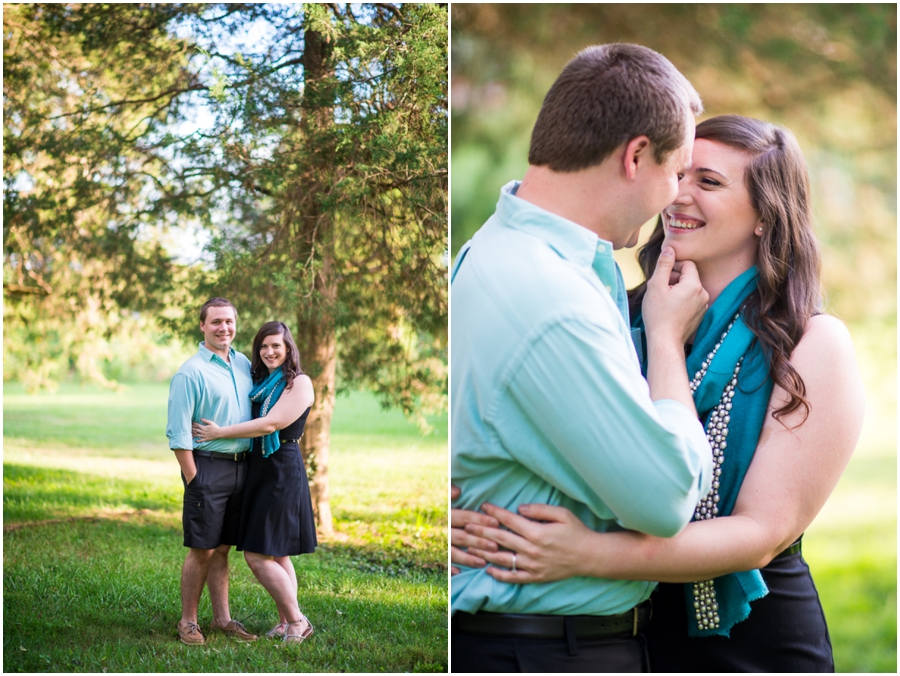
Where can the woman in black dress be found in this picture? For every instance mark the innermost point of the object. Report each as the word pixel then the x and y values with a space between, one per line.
pixel 277 518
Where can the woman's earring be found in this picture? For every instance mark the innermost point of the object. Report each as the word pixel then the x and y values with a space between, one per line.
pixel 759 229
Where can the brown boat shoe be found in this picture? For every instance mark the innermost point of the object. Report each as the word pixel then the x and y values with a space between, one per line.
pixel 234 629
pixel 190 633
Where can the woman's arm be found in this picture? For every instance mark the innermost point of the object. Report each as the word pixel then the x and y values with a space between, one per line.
pixel 792 474
pixel 286 410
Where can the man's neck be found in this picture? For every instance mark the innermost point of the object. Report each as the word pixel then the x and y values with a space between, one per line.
pixel 578 196
pixel 223 353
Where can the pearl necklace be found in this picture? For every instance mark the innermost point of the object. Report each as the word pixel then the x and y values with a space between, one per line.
pixel 265 406
pixel 706 607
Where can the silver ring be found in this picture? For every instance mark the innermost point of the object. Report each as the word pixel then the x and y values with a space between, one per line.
pixel 514 562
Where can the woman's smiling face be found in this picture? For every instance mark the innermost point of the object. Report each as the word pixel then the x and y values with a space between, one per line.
pixel 712 219
pixel 273 351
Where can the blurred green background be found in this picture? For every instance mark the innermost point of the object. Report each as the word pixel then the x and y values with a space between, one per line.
pixel 828 73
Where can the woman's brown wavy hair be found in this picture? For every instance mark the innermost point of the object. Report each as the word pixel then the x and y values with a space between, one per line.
pixel 291 366
pixel 788 289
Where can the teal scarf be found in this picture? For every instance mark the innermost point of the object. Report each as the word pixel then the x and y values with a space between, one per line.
pixel 266 393
pixel 734 591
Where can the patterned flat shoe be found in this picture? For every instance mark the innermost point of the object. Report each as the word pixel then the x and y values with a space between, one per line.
pixel 278 630
pixel 302 636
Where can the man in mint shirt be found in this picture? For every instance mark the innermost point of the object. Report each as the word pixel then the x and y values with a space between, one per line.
pixel 548 401
pixel 214 384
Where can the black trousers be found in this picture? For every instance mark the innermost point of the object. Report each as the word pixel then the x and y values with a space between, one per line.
pixel 785 632
pixel 475 653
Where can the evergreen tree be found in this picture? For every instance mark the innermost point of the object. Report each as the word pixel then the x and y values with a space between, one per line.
pixel 310 140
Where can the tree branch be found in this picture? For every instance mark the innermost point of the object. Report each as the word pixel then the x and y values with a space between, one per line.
pixel 393 9
pixel 175 91
pixel 19 288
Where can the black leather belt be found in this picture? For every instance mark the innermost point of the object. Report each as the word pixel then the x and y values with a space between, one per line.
pixel 628 623
pixel 235 457
pixel 289 441
pixel 793 549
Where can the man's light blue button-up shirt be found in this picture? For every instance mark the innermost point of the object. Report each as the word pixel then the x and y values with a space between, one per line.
pixel 549 405
pixel 206 386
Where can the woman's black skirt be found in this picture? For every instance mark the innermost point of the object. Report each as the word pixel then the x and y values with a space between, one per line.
pixel 277 516
pixel 785 631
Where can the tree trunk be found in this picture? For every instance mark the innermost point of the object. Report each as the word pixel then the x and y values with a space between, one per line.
pixel 315 313
pixel 318 348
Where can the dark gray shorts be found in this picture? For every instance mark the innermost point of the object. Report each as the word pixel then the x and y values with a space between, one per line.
pixel 212 503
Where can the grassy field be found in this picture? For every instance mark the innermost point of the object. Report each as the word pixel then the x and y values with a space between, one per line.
pixel 99 592
pixel 92 545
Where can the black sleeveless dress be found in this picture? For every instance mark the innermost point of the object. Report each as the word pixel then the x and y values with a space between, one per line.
pixel 277 516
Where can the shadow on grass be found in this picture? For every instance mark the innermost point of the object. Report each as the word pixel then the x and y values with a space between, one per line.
pixel 92 596
pixel 418 516
pixel 393 562
pixel 37 493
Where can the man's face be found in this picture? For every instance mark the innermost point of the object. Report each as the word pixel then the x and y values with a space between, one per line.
pixel 660 184
pixel 219 328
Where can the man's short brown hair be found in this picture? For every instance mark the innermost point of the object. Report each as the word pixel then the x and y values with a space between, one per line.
pixel 215 302
pixel 606 96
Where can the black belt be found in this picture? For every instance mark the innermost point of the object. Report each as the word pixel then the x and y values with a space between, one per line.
pixel 793 549
pixel 628 623
pixel 235 457
pixel 289 441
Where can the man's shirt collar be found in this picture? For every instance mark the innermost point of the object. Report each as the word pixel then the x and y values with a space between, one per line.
pixel 571 241
pixel 209 355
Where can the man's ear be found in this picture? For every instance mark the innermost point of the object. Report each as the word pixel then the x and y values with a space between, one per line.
pixel 637 150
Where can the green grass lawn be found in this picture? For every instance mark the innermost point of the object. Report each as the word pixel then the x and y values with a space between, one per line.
pixel 851 549
pixel 91 578
pixel 100 593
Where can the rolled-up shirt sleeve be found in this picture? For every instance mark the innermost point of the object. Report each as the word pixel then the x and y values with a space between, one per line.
pixel 578 391
pixel 182 402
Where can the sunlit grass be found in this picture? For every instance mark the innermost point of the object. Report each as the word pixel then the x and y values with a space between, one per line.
pixel 103 569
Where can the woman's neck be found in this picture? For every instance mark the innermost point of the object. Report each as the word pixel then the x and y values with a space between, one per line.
pixel 714 277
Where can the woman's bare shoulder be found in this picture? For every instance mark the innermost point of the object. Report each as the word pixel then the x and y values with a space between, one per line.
pixel 302 386
pixel 303 380
pixel 825 338
pixel 826 361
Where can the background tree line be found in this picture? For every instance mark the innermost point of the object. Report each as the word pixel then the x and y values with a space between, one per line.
pixel 289 157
